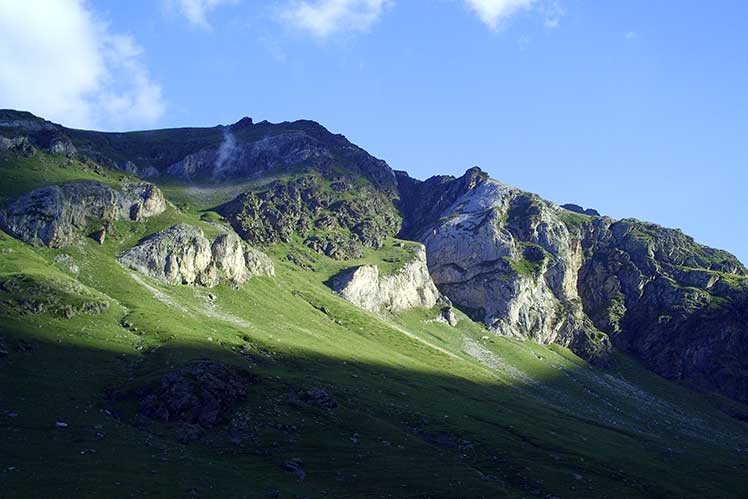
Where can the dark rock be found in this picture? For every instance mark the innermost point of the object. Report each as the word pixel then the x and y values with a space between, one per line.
pixel 295 466
pixel 201 393
pixel 578 209
pixel 573 207
pixel 242 123
pixel 318 397
pixel 422 203
pixel 99 236
pixel 447 314
pixel 681 307
pixel 189 433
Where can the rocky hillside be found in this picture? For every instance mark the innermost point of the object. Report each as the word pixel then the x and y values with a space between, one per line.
pixel 244 150
pixel 338 218
pixel 523 266
pixel 293 319
pixel 529 268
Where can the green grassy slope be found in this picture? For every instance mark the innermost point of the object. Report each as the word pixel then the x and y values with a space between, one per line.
pixel 425 410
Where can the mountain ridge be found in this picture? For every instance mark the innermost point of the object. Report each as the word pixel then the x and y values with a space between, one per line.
pixel 525 267
pixel 149 350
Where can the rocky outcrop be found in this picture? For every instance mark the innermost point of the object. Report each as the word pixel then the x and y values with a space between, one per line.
pixel 506 258
pixel 65 298
pixel 203 393
pixel 680 307
pixel 182 254
pixel 530 269
pixel 409 287
pixel 578 209
pixel 57 215
pixel 337 218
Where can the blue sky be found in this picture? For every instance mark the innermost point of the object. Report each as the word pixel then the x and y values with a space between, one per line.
pixel 634 108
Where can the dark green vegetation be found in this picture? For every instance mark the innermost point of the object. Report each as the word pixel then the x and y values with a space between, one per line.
pixel 337 218
pixel 421 409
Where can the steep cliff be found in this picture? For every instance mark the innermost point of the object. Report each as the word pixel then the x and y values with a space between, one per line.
pixel 679 306
pixel 505 257
pixel 531 269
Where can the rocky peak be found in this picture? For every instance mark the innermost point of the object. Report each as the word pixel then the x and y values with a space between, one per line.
pixel 23 121
pixel 23 131
pixel 423 202
pixel 242 123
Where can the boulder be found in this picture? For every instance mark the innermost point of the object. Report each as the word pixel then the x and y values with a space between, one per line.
pixel 448 316
pixel 181 254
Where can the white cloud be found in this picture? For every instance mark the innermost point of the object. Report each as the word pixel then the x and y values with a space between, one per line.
pixel 196 11
pixel 323 18
pixel 58 61
pixel 631 35
pixel 494 12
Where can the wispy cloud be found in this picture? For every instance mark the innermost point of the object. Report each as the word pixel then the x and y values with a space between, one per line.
pixel 552 13
pixel 323 18
pixel 494 12
pixel 631 35
pixel 59 61
pixel 196 11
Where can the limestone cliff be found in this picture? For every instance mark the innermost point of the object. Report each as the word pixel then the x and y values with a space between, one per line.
pixel 506 257
pixel 409 287
pixel 182 254
pixel 531 269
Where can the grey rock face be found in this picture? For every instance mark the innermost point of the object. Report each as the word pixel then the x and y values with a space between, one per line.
pixel 57 215
pixel 411 286
pixel 20 144
pixel 680 307
pixel 531 269
pixel 182 254
pixel 506 258
pixel 235 160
